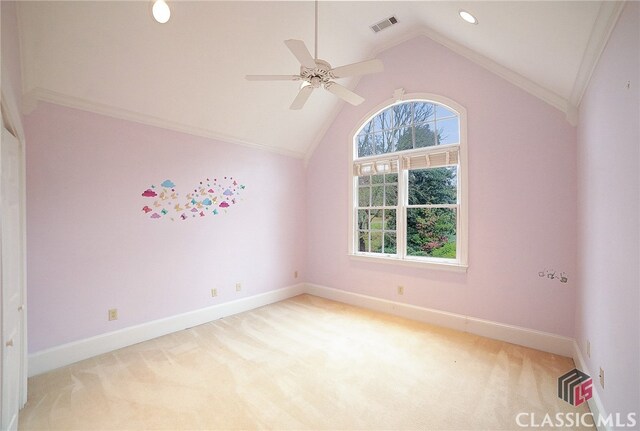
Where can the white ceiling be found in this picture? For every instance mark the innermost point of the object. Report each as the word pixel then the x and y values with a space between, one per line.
pixel 113 58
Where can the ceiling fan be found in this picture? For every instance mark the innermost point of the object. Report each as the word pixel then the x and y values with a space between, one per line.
pixel 315 72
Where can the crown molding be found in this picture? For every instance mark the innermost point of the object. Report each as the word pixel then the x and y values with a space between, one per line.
pixel 33 94
pixel 602 28
pixel 504 72
pixel 11 119
pixel 509 75
pixel 43 95
pixel 331 118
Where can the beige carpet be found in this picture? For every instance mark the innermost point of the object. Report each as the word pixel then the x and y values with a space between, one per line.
pixel 304 363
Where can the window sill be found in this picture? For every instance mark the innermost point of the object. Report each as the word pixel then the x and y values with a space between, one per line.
pixel 442 266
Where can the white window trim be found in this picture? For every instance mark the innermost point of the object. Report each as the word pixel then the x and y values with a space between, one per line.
pixel 459 265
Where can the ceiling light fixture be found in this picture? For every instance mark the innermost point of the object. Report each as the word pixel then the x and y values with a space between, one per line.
pixel 161 11
pixel 467 16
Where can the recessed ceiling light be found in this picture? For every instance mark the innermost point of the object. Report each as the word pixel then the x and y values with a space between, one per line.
pixel 161 11
pixel 467 16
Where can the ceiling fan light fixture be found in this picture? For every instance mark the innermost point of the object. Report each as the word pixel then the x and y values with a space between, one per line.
pixel 316 73
pixel 467 16
pixel 161 11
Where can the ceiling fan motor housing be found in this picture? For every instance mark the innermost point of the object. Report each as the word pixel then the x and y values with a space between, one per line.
pixel 321 74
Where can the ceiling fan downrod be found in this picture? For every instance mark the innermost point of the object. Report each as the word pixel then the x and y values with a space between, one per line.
pixel 316 38
pixel 316 73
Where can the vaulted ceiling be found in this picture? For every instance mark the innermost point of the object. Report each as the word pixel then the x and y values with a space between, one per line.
pixel 188 74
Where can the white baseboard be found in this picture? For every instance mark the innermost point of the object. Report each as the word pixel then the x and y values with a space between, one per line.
pixel 59 356
pixel 512 334
pixel 595 403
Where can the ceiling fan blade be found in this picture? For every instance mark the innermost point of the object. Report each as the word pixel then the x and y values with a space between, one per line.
pixel 343 93
pixel 302 97
pixel 355 69
pixel 272 78
pixel 299 49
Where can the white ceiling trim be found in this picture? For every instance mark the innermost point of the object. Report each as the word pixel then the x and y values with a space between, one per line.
pixel 44 95
pixel 11 113
pixel 605 23
pixel 33 95
pixel 325 127
pixel 513 77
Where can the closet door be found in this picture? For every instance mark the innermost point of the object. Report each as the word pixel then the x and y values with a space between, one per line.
pixel 11 266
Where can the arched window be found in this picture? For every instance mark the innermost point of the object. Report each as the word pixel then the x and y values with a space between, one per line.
pixel 409 184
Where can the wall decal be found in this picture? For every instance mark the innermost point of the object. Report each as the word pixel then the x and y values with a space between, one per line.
pixel 551 275
pixel 206 199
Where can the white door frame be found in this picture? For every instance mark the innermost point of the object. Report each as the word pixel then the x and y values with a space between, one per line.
pixel 11 120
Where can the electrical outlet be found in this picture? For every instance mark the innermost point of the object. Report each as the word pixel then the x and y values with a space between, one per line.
pixel 400 290
pixel 238 287
pixel 113 314
pixel 295 274
pixel 602 377
pixel 214 292
pixel 588 349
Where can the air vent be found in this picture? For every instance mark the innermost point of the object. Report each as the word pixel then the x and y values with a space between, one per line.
pixel 379 26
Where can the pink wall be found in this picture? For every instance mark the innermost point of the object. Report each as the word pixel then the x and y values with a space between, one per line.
pixel 91 248
pixel 522 204
pixel 609 214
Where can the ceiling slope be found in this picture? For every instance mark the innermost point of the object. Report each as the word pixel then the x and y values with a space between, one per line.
pixel 188 75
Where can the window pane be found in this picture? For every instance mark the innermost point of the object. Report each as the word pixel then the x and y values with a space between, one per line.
pixel 389 220
pixel 443 112
pixel 391 178
pixel 390 143
pixel 382 121
pixel 368 128
pixel 448 131
pixel 377 196
pixel 378 142
pixel 363 219
pixel 423 112
pixel 390 243
pixel 363 241
pixel 375 220
pixel 376 242
pixel 377 179
pixel 425 135
pixel 363 196
pixel 365 145
pixel 407 126
pixel 434 186
pixel 364 180
pixel 402 115
pixel 405 139
pixel 391 195
pixel 431 232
